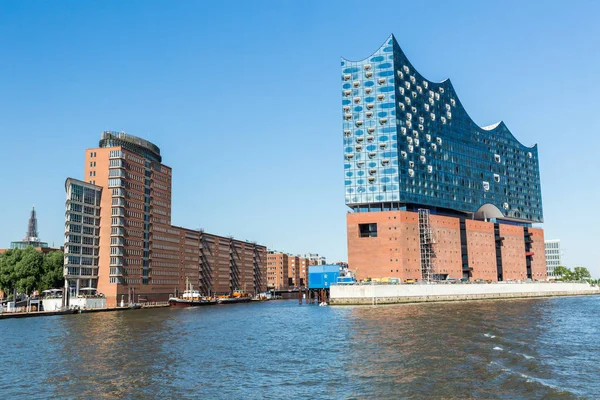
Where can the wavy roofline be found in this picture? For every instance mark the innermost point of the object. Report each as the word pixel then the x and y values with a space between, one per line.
pixel 383 44
pixel 492 128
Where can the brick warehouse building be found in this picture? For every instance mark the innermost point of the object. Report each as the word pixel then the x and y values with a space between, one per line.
pixel 433 195
pixel 287 270
pixel 119 238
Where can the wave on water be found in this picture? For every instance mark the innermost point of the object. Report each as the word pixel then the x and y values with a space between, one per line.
pixel 525 356
pixel 489 336
pixel 541 384
pixel 537 381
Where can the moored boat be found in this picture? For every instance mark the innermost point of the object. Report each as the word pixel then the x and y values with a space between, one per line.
pixel 191 298
pixel 262 297
pixel 180 302
pixel 238 296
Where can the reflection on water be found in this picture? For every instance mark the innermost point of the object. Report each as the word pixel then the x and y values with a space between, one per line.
pixel 543 348
pixel 127 350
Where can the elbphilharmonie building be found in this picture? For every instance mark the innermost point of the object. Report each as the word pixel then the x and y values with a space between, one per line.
pixel 412 152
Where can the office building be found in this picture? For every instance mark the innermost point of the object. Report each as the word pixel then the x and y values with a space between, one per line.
pixel 137 254
pixel 553 256
pixel 432 195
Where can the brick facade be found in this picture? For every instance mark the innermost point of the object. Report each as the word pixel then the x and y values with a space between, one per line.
pixel 141 254
pixel 481 247
pixel 395 251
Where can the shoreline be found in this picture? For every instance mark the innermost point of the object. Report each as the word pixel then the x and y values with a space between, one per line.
pixel 403 294
pixel 9 315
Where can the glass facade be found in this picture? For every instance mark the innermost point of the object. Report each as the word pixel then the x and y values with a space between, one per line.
pixel 82 234
pixel 409 142
pixel 131 143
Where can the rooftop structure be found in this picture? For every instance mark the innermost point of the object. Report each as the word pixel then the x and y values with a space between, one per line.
pixel 31 237
pixel 132 143
pixel 410 144
pixel 315 259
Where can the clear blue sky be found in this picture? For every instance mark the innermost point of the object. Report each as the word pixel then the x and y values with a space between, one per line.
pixel 244 100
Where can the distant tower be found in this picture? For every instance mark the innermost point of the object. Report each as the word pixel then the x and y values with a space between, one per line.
pixel 31 238
pixel 32 233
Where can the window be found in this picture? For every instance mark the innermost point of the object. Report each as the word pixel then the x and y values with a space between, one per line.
pixel 74 238
pixel 367 230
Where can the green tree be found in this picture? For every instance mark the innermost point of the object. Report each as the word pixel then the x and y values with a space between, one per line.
pixel 28 270
pixel 53 269
pixel 8 262
pixel 580 273
pixel 564 272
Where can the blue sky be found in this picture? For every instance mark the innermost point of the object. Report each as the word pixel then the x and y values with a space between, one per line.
pixel 244 100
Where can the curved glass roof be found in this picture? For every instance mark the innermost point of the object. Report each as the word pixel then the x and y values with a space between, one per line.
pixel 436 155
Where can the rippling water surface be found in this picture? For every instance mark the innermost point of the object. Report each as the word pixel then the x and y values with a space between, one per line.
pixel 543 348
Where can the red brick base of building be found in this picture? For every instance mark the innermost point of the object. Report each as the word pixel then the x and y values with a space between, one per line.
pixel 387 244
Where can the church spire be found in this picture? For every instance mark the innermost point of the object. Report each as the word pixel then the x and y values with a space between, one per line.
pixel 32 233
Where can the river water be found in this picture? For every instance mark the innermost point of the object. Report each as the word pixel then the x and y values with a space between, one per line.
pixel 538 348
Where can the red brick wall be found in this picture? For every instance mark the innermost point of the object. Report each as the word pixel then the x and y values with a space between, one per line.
pixel 395 251
pixel 513 252
pixel 392 253
pixel 446 231
pixel 538 262
pixel 481 250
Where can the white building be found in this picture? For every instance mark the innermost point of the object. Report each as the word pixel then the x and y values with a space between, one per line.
pixel 553 256
pixel 316 259
pixel 82 235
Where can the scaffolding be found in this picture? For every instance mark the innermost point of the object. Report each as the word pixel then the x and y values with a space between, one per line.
pixel 426 242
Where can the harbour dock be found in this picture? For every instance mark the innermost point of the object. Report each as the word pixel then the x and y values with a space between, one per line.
pixel 370 294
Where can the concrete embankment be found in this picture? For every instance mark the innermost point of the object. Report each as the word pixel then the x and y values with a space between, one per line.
pixel 420 293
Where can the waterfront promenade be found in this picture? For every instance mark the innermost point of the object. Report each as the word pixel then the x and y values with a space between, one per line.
pixel 369 294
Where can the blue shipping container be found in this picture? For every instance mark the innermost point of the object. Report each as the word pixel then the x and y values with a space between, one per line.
pixel 321 276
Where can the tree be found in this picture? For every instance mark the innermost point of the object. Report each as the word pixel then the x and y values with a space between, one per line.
pixel 8 261
pixel 53 269
pixel 581 273
pixel 28 270
pixel 564 272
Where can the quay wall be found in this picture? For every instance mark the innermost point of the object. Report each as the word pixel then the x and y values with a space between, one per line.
pixel 420 293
